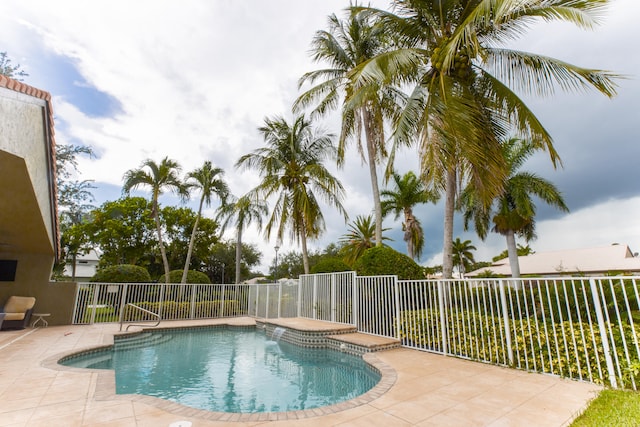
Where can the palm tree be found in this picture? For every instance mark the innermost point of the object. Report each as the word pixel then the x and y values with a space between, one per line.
pixel 463 255
pixel 291 168
pixel 209 181
pixel 409 191
pixel 464 100
pixel 242 212
pixel 359 238
pixel 515 211
pixel 346 44
pixel 159 177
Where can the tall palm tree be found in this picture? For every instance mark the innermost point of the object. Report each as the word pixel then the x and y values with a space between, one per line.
pixel 159 178
pixel 291 168
pixel 242 212
pixel 359 238
pixel 346 44
pixel 515 211
pixel 208 180
pixel 463 255
pixel 464 100
pixel 409 191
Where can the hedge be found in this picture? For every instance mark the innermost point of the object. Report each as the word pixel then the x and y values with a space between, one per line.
pixel 537 345
pixel 173 310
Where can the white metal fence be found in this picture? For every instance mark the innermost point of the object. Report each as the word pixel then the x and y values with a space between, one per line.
pixel 581 328
pixel 107 302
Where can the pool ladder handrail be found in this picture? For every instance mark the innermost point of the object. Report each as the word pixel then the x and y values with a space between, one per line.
pixel 141 309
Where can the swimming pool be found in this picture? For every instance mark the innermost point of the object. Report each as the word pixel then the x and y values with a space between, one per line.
pixel 230 370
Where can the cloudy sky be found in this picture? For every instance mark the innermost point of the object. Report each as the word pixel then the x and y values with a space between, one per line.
pixel 193 80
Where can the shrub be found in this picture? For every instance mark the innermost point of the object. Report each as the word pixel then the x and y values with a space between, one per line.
pixel 123 273
pixel 330 265
pixel 174 310
pixel 567 349
pixel 383 260
pixel 193 276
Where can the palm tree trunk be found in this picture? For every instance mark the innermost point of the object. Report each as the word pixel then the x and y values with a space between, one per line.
pixel 305 254
pixel 512 249
pixel 238 254
pixel 165 261
pixel 408 231
pixel 449 207
pixel 192 241
pixel 371 136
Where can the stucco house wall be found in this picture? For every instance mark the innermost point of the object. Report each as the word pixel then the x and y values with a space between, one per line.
pixel 28 213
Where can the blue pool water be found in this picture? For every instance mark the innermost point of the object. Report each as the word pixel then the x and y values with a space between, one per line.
pixel 231 370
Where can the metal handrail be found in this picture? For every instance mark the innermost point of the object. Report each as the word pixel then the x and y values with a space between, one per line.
pixel 141 309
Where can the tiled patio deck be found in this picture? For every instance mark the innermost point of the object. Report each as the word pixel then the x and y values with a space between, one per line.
pixel 426 390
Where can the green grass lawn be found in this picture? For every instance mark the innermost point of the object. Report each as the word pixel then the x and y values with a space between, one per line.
pixel 617 408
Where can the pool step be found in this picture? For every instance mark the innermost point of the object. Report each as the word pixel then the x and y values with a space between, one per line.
pixel 100 360
pixel 145 339
pixel 359 343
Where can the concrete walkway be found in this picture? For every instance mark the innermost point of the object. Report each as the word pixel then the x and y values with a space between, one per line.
pixel 427 390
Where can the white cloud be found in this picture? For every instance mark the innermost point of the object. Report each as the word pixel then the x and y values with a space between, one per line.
pixel 195 79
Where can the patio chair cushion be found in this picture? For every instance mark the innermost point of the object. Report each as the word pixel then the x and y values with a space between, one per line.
pixel 16 307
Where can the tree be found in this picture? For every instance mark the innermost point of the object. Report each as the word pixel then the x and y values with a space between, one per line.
pixel 220 264
pixel 464 99
pixel 209 181
pixel 159 177
pixel 12 71
pixel 242 212
pixel 291 168
pixel 346 44
pixel 409 191
pixel 123 229
pixel 515 211
pixel 74 204
pixel 178 225
pixel 463 255
pixel 359 238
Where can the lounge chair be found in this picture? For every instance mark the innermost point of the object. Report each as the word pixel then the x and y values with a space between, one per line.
pixel 17 312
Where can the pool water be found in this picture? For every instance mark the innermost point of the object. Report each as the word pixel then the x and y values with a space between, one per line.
pixel 231 370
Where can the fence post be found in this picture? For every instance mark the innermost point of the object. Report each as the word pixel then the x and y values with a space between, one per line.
pixel 192 310
pixel 222 300
pixel 603 333
pixel 443 317
pixel 314 302
pixel 266 305
pixel 122 305
pixel 333 297
pixel 396 293
pixel 354 300
pixel 94 304
pixel 257 287
pixel 161 301
pixel 505 320
pixel 301 281
pixel 279 300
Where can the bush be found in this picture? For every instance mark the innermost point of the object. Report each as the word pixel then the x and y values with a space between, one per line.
pixel 123 273
pixel 330 265
pixel 193 276
pixel 173 310
pixel 566 349
pixel 382 260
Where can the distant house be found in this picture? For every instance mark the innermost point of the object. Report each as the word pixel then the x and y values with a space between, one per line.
pixel 29 234
pixel 86 266
pixel 585 262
